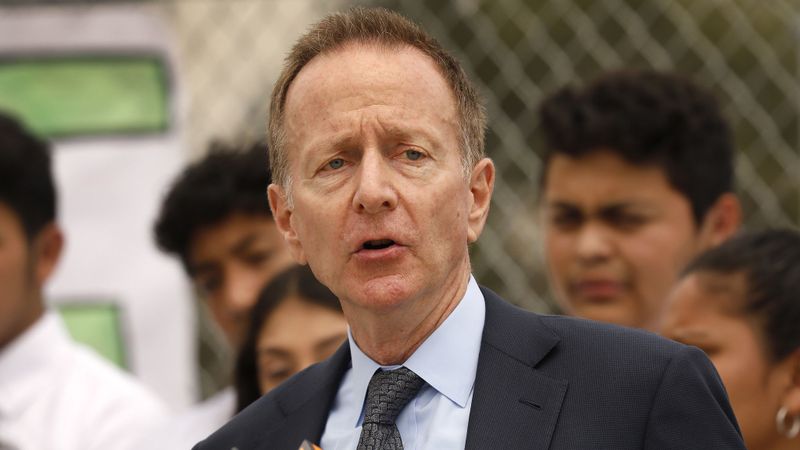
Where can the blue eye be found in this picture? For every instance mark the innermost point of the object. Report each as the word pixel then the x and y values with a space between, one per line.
pixel 336 163
pixel 413 155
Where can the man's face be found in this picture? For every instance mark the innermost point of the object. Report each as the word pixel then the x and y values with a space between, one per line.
pixel 230 263
pixel 616 237
pixel 382 210
pixel 705 310
pixel 19 302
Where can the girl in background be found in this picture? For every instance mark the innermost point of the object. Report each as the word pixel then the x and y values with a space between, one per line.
pixel 296 322
pixel 740 303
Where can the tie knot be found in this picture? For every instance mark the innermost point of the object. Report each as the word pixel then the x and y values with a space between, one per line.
pixel 388 393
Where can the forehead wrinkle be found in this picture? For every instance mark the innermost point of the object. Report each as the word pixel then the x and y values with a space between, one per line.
pixel 411 132
pixel 368 124
pixel 352 81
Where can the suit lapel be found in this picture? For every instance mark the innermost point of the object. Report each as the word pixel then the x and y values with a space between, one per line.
pixel 513 405
pixel 306 407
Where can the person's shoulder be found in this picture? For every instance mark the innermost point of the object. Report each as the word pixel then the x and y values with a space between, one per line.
pixel 113 406
pixel 582 333
pixel 580 342
pixel 626 358
pixel 91 371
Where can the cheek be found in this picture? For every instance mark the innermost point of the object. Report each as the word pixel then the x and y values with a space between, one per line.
pixel 11 292
pixel 669 244
pixel 313 234
pixel 268 271
pixel 444 218
pixel 654 259
pixel 741 363
pixel 743 373
pixel 219 312
pixel 558 250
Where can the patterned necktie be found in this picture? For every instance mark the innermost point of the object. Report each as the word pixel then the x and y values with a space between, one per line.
pixel 388 393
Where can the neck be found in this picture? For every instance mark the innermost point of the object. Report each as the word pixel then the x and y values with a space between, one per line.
pixel 22 322
pixel 390 339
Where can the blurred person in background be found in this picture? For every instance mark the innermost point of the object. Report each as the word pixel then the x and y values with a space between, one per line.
pixel 217 220
pixel 296 322
pixel 637 179
pixel 740 303
pixel 54 393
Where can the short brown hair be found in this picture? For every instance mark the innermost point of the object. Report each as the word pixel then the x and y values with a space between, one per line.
pixel 387 28
pixel 648 118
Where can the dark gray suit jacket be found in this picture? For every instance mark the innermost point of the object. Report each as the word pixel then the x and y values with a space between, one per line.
pixel 543 382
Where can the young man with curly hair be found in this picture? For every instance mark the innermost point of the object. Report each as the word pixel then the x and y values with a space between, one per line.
pixel 637 180
pixel 217 220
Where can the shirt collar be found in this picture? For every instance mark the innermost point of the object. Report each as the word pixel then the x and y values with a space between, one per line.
pixel 451 373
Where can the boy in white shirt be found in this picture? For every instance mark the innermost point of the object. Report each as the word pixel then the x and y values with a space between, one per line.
pixel 55 393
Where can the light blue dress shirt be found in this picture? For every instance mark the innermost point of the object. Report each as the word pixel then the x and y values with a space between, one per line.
pixel 437 417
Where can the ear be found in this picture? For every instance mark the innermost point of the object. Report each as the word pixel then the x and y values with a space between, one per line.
pixel 47 249
pixel 791 399
pixel 481 186
pixel 283 220
pixel 721 221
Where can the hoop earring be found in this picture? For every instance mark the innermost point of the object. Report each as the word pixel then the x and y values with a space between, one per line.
pixel 780 421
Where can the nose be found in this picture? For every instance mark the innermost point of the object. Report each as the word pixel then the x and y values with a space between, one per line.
pixel 594 244
pixel 239 293
pixel 375 191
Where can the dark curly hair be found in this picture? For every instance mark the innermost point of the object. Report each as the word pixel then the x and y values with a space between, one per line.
pixel 648 118
pixel 228 180
pixel 298 282
pixel 770 263
pixel 26 178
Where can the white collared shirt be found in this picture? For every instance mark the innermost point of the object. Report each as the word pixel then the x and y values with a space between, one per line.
pixel 56 394
pixel 438 416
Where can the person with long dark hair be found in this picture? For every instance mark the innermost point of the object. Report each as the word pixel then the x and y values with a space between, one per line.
pixel 296 322
pixel 740 303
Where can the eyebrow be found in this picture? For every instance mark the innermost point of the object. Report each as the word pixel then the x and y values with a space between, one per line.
pixel 238 247
pixel 404 134
pixel 277 351
pixel 272 351
pixel 605 208
pixel 346 139
pixel 244 243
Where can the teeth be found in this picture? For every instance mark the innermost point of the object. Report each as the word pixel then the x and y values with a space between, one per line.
pixel 378 244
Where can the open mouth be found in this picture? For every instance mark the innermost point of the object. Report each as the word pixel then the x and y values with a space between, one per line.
pixel 377 244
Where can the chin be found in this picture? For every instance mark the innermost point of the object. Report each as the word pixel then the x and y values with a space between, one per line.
pixel 385 293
